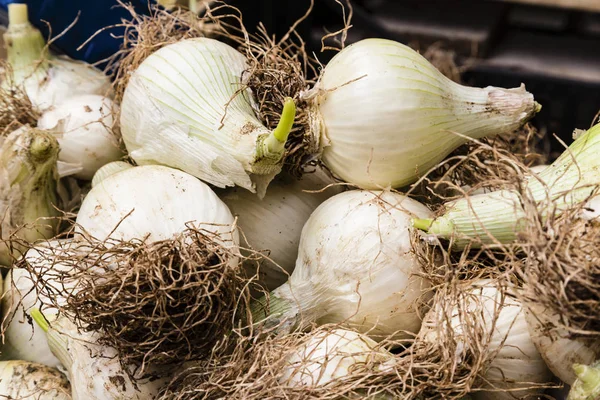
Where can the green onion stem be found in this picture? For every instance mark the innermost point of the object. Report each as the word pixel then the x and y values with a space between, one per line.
pixel 269 312
pixel 25 45
pixel 56 341
pixel 422 223
pixel 273 145
pixel 498 217
pixel 587 385
pixel 39 319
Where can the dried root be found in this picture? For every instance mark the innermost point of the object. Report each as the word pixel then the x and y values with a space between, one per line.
pixel 16 108
pixel 277 69
pixel 145 34
pixel 165 302
pixel 561 270
pixel 481 166
pixel 273 369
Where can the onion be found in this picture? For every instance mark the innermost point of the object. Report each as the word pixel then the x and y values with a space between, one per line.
pixel 47 79
pixel 355 267
pixel 325 357
pixel 28 185
pixel 94 370
pixel 275 222
pixel 84 128
pixel 25 341
pixel 383 115
pixel 25 380
pixel 497 217
pixel 559 351
pixel 513 360
pixel 153 203
pixel 182 108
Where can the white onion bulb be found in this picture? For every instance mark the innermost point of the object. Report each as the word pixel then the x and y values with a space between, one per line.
pixel 356 267
pixel 47 79
pixel 85 132
pixel 516 362
pixel 26 380
pixel 275 222
pixel 154 202
pixel 559 351
pixel 327 356
pixel 182 108
pixel 384 115
pixel 25 341
pixel 94 371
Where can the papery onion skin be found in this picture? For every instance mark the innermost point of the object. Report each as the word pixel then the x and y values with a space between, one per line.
pixel 355 267
pixel 185 107
pixel 154 203
pixel 383 115
pixel 26 380
pixel 328 356
pixel 275 222
pixel 85 130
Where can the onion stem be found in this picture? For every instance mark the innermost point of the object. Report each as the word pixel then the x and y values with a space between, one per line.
pixel 40 319
pixel 422 223
pixel 273 145
pixel 498 216
pixel 57 343
pixel 17 14
pixel 25 45
pixel 587 385
pixel 270 312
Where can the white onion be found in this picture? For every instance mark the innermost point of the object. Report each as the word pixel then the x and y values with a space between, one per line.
pixel 327 356
pixel 26 380
pixel 515 361
pixel 47 79
pixel 180 109
pixel 356 267
pixel 559 351
pixel 84 129
pixel 152 202
pixel 384 115
pixel 25 341
pixel 498 217
pixel 94 370
pixel 28 185
pixel 275 222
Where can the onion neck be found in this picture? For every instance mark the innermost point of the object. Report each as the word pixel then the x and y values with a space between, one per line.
pixel 498 216
pixel 39 191
pixel 287 309
pixel 587 385
pixel 57 342
pixel 25 46
pixel 516 104
pixel 271 147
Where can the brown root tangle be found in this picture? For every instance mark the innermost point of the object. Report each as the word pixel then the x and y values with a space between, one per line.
pixel 165 302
